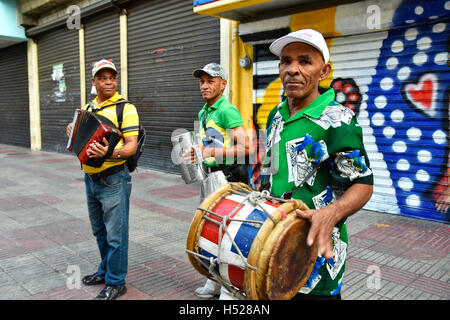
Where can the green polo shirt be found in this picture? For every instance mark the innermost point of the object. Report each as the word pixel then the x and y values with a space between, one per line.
pixel 324 135
pixel 218 118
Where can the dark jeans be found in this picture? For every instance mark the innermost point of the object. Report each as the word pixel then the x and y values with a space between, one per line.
pixel 108 206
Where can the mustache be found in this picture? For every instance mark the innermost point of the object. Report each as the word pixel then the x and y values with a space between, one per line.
pixel 288 78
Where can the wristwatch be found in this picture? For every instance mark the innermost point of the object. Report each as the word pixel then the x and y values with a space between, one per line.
pixel 118 153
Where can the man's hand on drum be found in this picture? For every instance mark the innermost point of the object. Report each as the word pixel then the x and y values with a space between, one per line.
pixel 322 224
pixel 97 150
pixel 323 220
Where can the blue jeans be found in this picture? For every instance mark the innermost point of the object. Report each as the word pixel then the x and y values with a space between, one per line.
pixel 108 201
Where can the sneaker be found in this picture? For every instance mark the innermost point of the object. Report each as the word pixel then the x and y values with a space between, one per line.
pixel 209 290
pixel 226 295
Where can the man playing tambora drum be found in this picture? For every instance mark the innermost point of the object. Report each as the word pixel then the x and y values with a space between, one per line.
pixel 315 152
pixel 224 143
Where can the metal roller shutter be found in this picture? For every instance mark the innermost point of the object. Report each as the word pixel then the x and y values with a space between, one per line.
pixel 398 83
pixel 407 109
pixel 166 42
pixel 15 119
pixel 102 41
pixel 59 88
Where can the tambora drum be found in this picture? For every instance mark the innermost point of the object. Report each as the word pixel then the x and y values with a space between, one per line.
pixel 251 243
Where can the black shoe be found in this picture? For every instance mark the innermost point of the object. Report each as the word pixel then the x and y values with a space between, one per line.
pixel 92 279
pixel 111 293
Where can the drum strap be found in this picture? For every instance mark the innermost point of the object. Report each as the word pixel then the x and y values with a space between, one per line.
pixel 209 140
pixel 288 195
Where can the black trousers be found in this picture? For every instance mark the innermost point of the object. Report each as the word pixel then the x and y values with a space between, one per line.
pixel 234 172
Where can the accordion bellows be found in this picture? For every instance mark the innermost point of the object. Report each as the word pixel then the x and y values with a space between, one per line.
pixel 86 127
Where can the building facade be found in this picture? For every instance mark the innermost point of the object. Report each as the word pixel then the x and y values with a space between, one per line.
pixel 389 65
pixel 13 77
pixel 146 40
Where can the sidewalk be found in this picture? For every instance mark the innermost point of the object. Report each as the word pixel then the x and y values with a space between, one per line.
pixel 45 239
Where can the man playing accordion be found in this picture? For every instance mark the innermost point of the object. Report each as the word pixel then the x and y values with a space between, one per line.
pixel 108 187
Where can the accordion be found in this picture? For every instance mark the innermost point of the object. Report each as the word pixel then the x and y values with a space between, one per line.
pixel 86 127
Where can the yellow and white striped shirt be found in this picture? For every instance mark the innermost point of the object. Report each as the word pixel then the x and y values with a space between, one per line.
pixel 130 127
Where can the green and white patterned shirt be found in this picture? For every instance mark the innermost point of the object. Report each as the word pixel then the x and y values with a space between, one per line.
pixel 324 136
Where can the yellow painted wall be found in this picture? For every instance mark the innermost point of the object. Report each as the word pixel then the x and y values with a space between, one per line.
pixel 241 79
pixel 321 20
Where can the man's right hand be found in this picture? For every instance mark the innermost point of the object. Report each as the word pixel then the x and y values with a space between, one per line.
pixel 190 155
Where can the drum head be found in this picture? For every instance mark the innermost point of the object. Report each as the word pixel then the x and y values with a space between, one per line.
pixel 287 259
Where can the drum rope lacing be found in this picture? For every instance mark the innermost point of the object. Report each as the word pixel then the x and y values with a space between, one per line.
pixel 256 198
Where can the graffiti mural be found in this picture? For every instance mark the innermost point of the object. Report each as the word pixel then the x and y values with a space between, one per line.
pixel 407 107
pixel 396 78
pixel 347 93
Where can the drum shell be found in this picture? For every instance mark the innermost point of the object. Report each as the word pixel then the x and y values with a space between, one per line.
pixel 264 252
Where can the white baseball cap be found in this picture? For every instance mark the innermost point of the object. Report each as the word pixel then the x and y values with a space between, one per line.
pixel 308 36
pixel 103 64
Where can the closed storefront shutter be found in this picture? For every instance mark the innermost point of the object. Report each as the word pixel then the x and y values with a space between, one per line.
pixel 397 81
pixel 15 119
pixel 166 42
pixel 102 41
pixel 59 84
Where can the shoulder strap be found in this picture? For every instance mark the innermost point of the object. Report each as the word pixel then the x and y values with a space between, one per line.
pixel 119 109
pixel 289 194
pixel 119 112
pixel 91 105
pixel 208 138
pixel 204 121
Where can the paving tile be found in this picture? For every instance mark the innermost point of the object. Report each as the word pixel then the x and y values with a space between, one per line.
pixel 407 293
pixel 63 293
pixel 38 216
pixel 436 287
pixel 29 239
pixel 9 248
pixel 176 192
pixel 13 291
pixel 134 294
pixel 163 210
